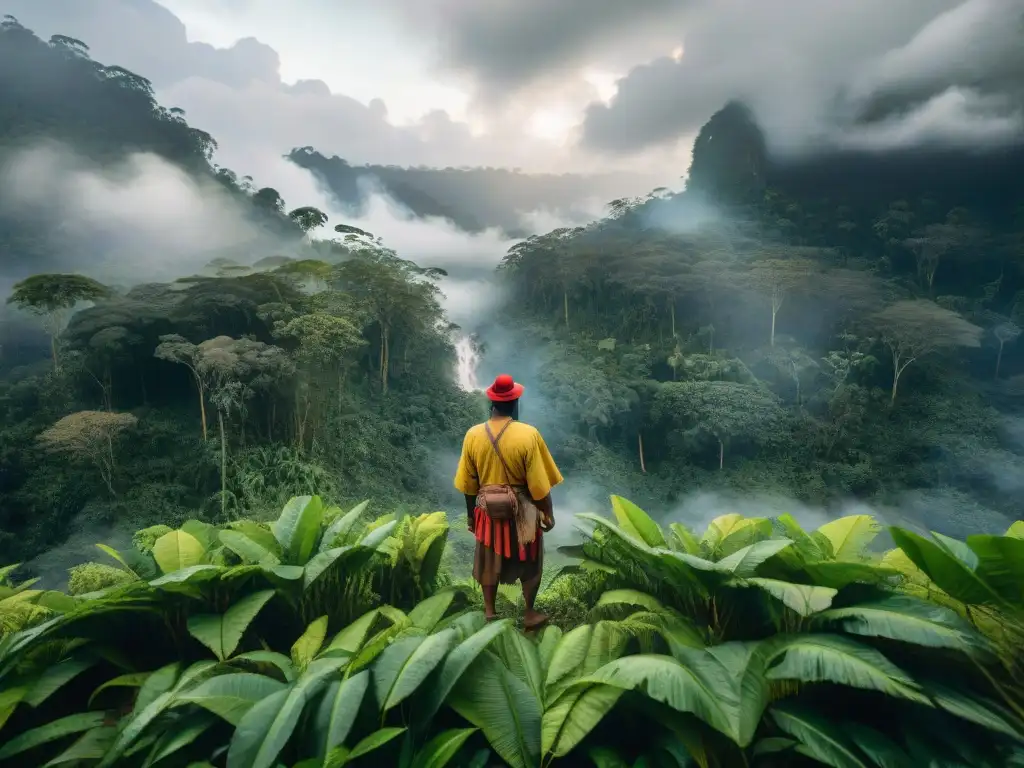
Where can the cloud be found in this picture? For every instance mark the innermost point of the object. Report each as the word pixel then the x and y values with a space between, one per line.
pixel 140 219
pixel 866 74
pixel 504 45
pixel 237 92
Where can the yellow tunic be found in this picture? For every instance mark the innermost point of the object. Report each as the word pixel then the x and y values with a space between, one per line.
pixel 525 452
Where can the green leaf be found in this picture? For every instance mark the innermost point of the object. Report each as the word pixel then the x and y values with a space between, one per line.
pixel 306 647
pixel 250 551
pixel 131 680
pixel 1016 530
pixel 664 679
pixel 176 550
pixel 231 696
pixel 976 710
pixel 179 735
pixel 337 712
pixel 629 597
pixel 222 633
pixel 838 574
pixel 375 740
pixel 298 528
pixel 53 678
pixel 265 729
pixel 91 745
pixel 194 574
pixel 841 660
pixel 456 663
pixel 406 663
pixel 349 640
pixel 118 557
pixel 637 523
pixel 744 562
pixel 820 739
pixel 51 731
pixel 501 705
pixel 341 527
pixel 321 562
pixel 1001 565
pixel 801 598
pixel 573 715
pixel 439 751
pixel 952 569
pixel 683 539
pixel 279 660
pixel 427 613
pixel 850 535
pixel 909 620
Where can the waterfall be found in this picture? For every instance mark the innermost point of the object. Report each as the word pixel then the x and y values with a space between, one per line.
pixel 466 361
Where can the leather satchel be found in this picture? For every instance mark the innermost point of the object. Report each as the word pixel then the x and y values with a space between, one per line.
pixel 499 501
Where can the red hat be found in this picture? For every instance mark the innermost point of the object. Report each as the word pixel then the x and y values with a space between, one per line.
pixel 504 389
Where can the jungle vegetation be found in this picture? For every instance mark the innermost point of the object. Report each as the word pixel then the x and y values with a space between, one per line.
pixel 774 328
pixel 329 638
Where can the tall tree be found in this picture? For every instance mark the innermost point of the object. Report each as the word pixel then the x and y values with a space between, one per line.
pixel 914 328
pixel 775 279
pixel 308 218
pixel 89 436
pixel 1004 332
pixel 53 297
pixel 722 410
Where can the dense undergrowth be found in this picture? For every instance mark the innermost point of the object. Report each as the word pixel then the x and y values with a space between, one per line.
pixel 328 637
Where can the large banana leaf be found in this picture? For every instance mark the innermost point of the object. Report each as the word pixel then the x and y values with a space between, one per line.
pixel 909 620
pixel 455 665
pixel 222 633
pixel 573 715
pixel 692 689
pixel 850 536
pixel 949 563
pixel 1001 565
pixel 820 739
pixel 176 550
pixel 231 696
pixel 840 660
pixel 804 599
pixel 298 528
pixel 637 523
pixel 265 729
pixel 503 707
pixel 337 532
pixel 337 712
pixel 405 664
pixel 580 652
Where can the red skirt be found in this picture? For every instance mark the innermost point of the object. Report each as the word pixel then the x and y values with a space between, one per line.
pixel 499 557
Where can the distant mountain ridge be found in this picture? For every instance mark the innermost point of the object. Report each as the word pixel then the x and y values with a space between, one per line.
pixel 473 199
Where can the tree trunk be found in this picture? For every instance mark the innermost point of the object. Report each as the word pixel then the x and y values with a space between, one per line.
pixel 565 306
pixel 223 465
pixel 53 351
pixel 640 442
pixel 895 383
pixel 202 406
pixel 672 314
pixel 721 454
pixel 999 358
pixel 385 360
pixel 774 313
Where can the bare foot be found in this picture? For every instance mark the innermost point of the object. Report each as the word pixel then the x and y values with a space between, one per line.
pixel 534 620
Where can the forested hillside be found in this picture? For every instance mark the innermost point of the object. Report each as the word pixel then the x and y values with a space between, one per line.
pixel 222 390
pixel 473 199
pixel 824 329
pixel 250 453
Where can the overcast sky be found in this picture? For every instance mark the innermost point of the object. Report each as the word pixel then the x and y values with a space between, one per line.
pixel 559 84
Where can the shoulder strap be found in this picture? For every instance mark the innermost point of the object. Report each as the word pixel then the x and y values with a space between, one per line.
pixel 494 444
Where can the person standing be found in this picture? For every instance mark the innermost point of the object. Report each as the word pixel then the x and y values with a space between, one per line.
pixel 506 474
